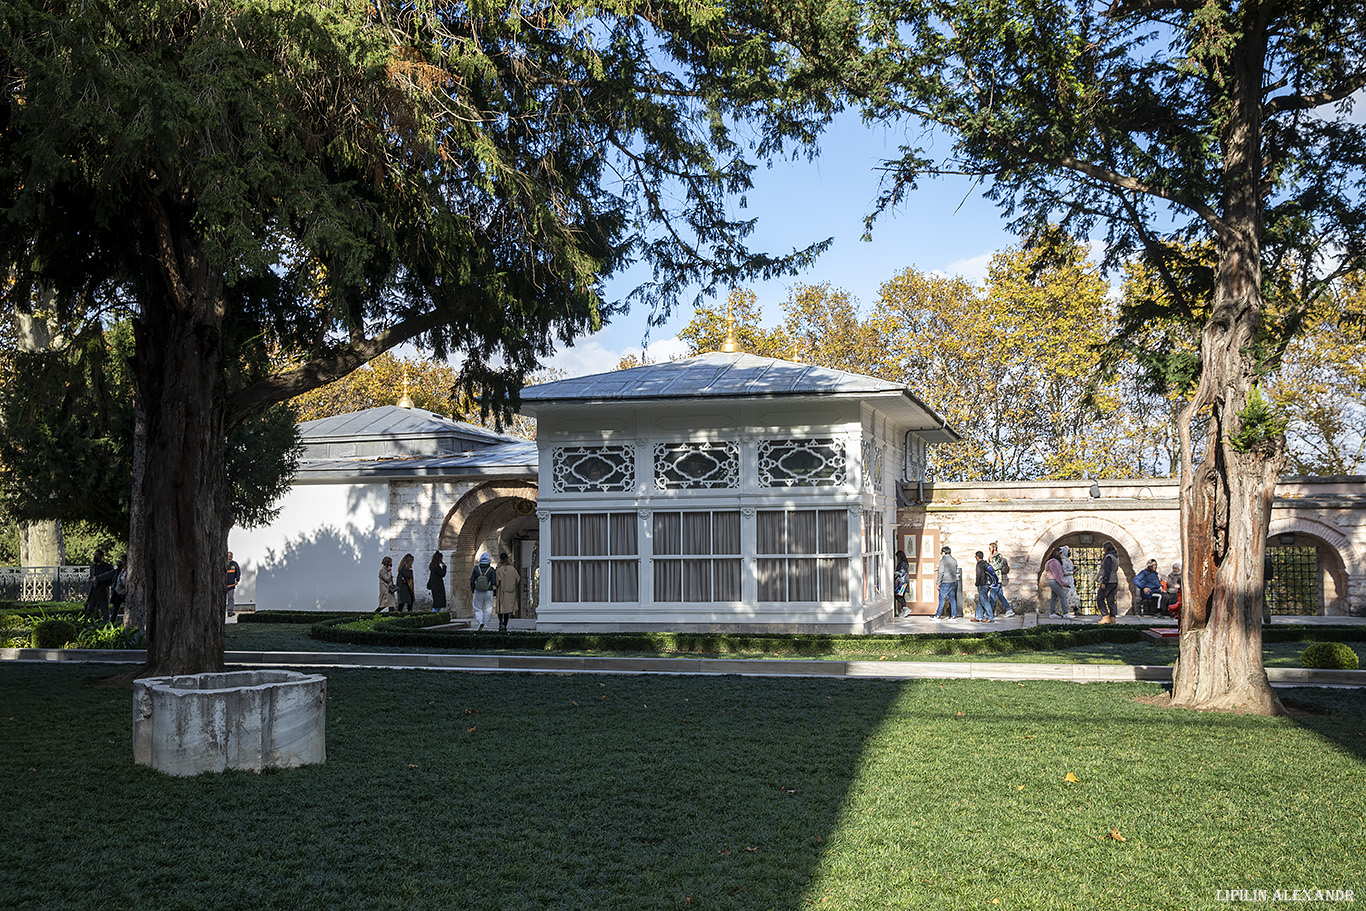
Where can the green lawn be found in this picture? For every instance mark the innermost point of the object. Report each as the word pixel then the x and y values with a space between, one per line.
pixel 511 791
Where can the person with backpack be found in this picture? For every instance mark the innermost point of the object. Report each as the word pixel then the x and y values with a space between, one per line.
pixel 483 590
pixel 1107 581
pixel 987 580
pixel 1002 567
pixel 901 583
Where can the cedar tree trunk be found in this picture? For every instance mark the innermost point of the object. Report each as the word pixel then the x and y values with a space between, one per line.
pixel 1226 499
pixel 181 498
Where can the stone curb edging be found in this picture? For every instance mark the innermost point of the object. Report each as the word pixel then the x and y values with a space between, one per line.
pixel 897 670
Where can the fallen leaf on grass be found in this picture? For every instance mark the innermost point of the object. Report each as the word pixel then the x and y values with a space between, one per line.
pixel 790 790
pixel 882 657
pixel 471 730
pixel 1114 834
pixel 1020 788
pixel 724 851
pixel 412 765
pixel 471 711
pixel 751 849
pixel 962 714
pixel 1070 777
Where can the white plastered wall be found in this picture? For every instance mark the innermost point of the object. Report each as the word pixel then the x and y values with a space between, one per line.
pixel 321 553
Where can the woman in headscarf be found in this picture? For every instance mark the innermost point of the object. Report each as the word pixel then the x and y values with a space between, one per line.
pixel 1069 581
pixel 1057 605
pixel 483 589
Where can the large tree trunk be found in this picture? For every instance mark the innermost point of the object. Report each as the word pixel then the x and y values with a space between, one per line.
pixel 135 599
pixel 1226 499
pixel 181 499
pixel 41 543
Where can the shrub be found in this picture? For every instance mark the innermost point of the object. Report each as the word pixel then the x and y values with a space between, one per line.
pixel 53 633
pixel 1330 656
pixel 111 635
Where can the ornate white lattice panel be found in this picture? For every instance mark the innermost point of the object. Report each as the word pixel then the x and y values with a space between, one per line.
pixel 802 463
pixel 874 458
pixel 684 466
pixel 593 469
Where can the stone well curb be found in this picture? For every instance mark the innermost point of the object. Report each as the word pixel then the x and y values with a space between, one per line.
pixel 895 670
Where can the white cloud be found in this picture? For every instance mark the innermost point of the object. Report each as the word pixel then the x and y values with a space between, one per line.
pixel 589 355
pixel 973 269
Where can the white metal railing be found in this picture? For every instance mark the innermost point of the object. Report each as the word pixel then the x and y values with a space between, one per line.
pixel 44 583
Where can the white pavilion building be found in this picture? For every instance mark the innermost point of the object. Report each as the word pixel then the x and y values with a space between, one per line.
pixel 723 492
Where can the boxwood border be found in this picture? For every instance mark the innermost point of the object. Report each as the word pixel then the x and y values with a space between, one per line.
pixel 411 632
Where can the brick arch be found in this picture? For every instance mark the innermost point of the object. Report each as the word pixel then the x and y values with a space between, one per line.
pixel 1325 534
pixel 464 524
pixel 1130 554
pixel 1336 552
pixel 1102 528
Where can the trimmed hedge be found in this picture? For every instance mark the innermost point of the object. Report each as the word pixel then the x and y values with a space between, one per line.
pixel 1330 656
pixel 53 633
pixel 299 616
pixel 410 632
pixel 42 608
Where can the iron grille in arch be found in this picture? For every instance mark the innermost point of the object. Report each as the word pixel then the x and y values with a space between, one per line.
pixel 1294 586
pixel 1086 561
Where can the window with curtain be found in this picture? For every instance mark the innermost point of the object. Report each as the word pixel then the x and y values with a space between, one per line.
pixel 803 554
pixel 697 556
pixel 594 557
pixel 874 554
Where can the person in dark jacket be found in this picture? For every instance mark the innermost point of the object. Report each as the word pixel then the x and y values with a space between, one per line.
pixel 1148 587
pixel 986 581
pixel 1107 582
pixel 405 594
pixel 436 581
pixel 901 583
pixel 102 576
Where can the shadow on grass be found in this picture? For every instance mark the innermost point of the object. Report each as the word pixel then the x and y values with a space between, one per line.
pixel 510 791
pixel 1331 714
pixel 443 790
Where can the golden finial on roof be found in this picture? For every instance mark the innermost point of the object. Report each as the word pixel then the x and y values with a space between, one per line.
pixel 731 344
pixel 406 401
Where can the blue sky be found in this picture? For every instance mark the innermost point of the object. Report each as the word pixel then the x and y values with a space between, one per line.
pixel 945 226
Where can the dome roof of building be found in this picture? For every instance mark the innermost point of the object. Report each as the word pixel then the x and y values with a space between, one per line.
pixel 391 431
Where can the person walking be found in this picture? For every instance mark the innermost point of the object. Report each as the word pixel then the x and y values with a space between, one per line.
pixel 436 582
pixel 1057 605
pixel 386 586
pixel 986 581
pixel 508 581
pixel 483 590
pixel 1002 567
pixel 1069 581
pixel 901 583
pixel 405 594
pixel 1107 578
pixel 946 576
pixel 234 576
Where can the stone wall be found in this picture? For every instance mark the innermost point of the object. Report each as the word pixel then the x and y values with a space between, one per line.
pixel 1027 519
pixel 417 513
